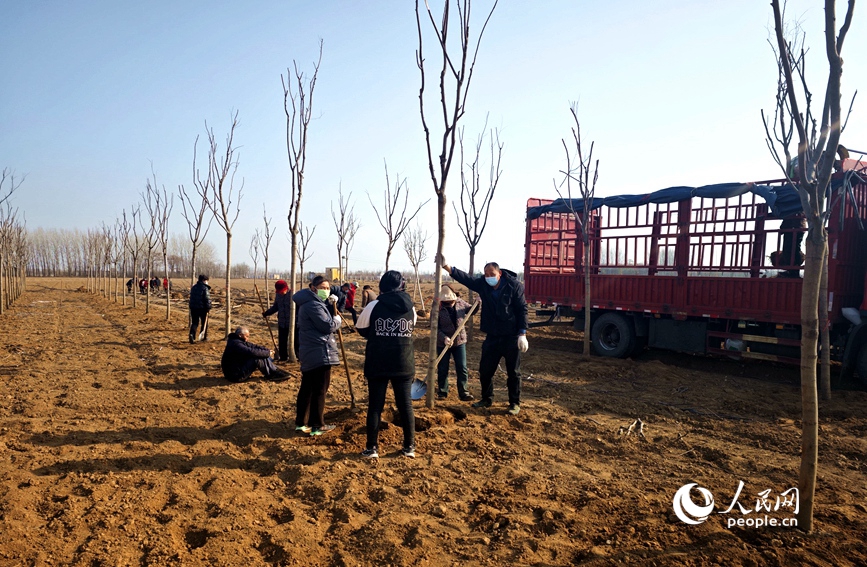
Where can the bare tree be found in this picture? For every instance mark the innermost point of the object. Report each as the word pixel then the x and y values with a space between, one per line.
pixel 392 226
pixel 455 73
pixel 194 212
pixel 9 226
pixel 475 205
pixel 344 221
pixel 254 251
pixel 133 245
pixel 265 244
pixel 155 204
pixel 223 166
pixel 414 244
pixel 817 148
pixel 306 235
pixel 164 212
pixel 353 225
pixel 583 173
pixel 298 107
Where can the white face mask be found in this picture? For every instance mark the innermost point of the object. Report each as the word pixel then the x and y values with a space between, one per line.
pixel 492 280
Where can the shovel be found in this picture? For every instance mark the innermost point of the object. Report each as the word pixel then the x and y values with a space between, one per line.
pixel 345 362
pixel 419 387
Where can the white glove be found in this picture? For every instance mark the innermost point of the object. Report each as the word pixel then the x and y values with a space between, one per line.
pixel 448 341
pixel 333 298
pixel 523 345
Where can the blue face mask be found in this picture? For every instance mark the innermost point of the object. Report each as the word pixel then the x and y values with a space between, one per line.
pixel 492 280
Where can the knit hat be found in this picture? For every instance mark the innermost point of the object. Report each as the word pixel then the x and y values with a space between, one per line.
pixel 390 281
pixel 447 294
pixel 281 285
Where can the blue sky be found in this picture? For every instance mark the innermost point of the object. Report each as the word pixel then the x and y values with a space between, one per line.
pixel 670 91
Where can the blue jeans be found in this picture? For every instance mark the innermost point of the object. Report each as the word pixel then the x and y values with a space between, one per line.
pixel 459 354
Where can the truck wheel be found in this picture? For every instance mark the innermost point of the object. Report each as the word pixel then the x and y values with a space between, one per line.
pixel 861 366
pixel 613 336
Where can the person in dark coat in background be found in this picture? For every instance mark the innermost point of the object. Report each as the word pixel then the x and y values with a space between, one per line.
pixel 504 322
pixel 129 285
pixel 281 306
pixel 200 305
pixel 453 311
pixel 387 323
pixel 241 358
pixel 318 353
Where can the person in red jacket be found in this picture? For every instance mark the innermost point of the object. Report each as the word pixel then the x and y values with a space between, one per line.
pixel 349 290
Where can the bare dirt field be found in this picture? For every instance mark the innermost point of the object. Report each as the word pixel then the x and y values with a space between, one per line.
pixel 121 444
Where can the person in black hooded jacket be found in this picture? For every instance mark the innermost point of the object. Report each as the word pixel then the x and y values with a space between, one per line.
pixel 504 322
pixel 241 358
pixel 387 324
pixel 200 305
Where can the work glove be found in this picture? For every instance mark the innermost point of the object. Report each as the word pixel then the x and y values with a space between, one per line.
pixel 523 345
pixel 333 298
pixel 263 315
pixel 448 341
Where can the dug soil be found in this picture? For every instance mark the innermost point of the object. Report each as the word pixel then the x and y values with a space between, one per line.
pixel 121 444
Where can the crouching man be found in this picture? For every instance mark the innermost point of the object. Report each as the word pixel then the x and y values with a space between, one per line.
pixel 242 357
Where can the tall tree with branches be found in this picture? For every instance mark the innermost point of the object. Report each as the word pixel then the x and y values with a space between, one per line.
pixel 195 210
pixel 255 251
pixel 265 238
pixel 457 62
pixel 133 245
pixel 415 246
pixel 344 225
pixel 164 212
pixel 306 236
pixel 298 107
pixel 476 204
pixel 817 148
pixel 224 199
pixel 155 206
pixel 394 226
pixel 581 173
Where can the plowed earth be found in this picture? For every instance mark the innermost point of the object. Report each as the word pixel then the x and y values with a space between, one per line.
pixel 121 444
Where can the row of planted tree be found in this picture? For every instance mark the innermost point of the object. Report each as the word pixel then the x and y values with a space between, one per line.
pixel 13 243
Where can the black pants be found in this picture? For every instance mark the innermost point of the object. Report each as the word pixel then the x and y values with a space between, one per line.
pixel 264 365
pixel 376 389
pixel 354 314
pixel 310 407
pixel 198 316
pixel 493 349
pixel 283 342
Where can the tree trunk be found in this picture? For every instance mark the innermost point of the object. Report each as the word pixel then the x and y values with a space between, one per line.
pixel 824 331
pixel 193 267
pixel 471 296
pixel 168 288
pixel 815 245
pixel 387 257
pixel 586 343
pixel 124 278
pixel 292 281
pixel 435 306
pixel 266 287
pixel 134 282
pixel 228 283
pixel 148 288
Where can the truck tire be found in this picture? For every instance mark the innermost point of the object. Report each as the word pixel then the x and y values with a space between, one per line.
pixel 613 336
pixel 861 365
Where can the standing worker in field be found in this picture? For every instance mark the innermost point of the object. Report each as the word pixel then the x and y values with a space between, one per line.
pixel 200 305
pixel 504 322
pixel 349 305
pixel 387 324
pixel 281 306
pixel 453 312
pixel 367 295
pixel 317 323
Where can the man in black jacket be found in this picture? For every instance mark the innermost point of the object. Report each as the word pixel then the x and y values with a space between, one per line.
pixel 200 305
pixel 504 322
pixel 242 357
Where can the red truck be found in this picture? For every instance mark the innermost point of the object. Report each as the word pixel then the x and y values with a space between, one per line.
pixel 714 269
